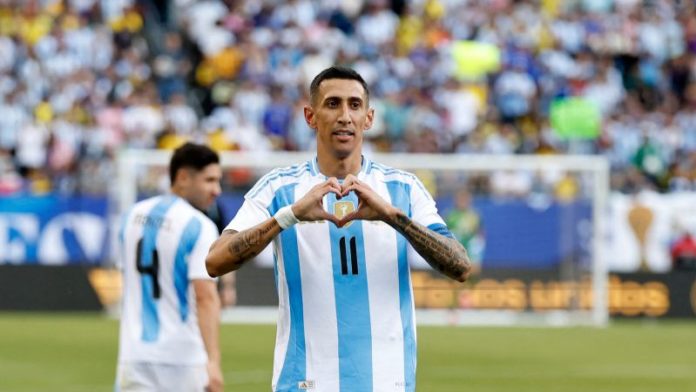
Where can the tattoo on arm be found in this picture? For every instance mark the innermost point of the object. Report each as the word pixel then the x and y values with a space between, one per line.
pixel 444 254
pixel 249 243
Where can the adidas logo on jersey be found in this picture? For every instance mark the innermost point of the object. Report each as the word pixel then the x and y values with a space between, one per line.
pixel 305 385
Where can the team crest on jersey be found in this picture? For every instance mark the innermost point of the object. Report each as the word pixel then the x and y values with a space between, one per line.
pixel 343 208
pixel 305 385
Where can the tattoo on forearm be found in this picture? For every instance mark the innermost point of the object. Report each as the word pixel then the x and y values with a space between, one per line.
pixel 442 253
pixel 250 243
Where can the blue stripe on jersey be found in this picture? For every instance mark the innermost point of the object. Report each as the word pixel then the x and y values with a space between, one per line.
pixel 295 363
pixel 352 302
pixel 275 271
pixel 181 282
pixel 150 315
pixel 400 198
pixel 292 171
pixel 386 170
pixel 441 229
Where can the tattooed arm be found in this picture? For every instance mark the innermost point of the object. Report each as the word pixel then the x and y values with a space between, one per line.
pixel 234 248
pixel 444 254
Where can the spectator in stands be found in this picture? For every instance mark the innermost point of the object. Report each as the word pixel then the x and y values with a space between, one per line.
pixel 683 252
pixel 171 67
pixel 277 118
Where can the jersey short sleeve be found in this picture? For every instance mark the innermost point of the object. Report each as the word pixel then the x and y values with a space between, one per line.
pixel 424 210
pixel 249 215
pixel 254 209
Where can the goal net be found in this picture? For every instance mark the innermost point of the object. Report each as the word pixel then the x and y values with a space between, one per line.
pixel 531 224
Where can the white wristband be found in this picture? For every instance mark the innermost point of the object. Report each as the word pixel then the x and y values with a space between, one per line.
pixel 285 217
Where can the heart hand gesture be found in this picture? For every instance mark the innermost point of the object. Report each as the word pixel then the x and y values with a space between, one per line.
pixel 371 206
pixel 311 208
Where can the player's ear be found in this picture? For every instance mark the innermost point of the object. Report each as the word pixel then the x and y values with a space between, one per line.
pixel 182 176
pixel 309 117
pixel 370 117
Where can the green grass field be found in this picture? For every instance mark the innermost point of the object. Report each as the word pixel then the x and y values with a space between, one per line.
pixel 74 353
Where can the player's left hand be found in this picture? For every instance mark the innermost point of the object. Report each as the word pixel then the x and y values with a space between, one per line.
pixel 371 206
pixel 215 380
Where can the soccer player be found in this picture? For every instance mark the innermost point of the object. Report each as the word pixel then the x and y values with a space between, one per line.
pixel 171 308
pixel 342 226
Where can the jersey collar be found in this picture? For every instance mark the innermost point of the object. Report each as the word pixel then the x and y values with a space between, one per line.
pixel 365 166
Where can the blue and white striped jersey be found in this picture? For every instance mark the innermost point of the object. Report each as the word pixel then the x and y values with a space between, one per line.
pixel 164 243
pixel 346 314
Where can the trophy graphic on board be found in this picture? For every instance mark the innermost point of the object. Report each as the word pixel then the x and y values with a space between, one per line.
pixel 640 218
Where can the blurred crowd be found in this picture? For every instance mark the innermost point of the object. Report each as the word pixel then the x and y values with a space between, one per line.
pixel 82 79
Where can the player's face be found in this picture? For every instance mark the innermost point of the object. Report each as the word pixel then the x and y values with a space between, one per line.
pixel 339 114
pixel 203 187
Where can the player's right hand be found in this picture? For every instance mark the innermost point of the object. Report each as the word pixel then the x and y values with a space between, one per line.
pixel 311 207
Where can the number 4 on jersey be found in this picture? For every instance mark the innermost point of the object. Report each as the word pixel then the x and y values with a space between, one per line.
pixel 152 269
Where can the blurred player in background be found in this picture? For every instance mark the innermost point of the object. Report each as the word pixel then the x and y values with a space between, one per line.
pixel 465 224
pixel 346 318
pixel 171 308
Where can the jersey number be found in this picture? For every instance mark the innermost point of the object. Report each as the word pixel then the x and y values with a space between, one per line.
pixel 353 256
pixel 151 270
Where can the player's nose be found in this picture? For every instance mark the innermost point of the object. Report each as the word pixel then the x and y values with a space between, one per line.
pixel 344 115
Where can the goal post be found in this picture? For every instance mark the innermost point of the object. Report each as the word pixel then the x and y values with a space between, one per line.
pixel 583 283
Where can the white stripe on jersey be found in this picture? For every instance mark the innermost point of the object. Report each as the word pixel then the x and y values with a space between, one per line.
pixel 320 307
pixel 387 330
pixel 283 330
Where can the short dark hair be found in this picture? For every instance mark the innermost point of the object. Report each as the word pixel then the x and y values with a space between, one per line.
pixel 336 72
pixel 191 155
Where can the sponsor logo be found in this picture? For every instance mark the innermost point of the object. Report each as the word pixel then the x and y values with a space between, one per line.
pixel 53 239
pixel 306 384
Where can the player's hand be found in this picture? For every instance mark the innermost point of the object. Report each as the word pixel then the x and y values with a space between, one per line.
pixel 215 380
pixel 371 206
pixel 311 207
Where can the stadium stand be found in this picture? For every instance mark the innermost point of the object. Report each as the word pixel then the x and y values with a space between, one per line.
pixel 80 80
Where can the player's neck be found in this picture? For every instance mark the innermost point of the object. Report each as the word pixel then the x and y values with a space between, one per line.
pixel 336 167
pixel 177 191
